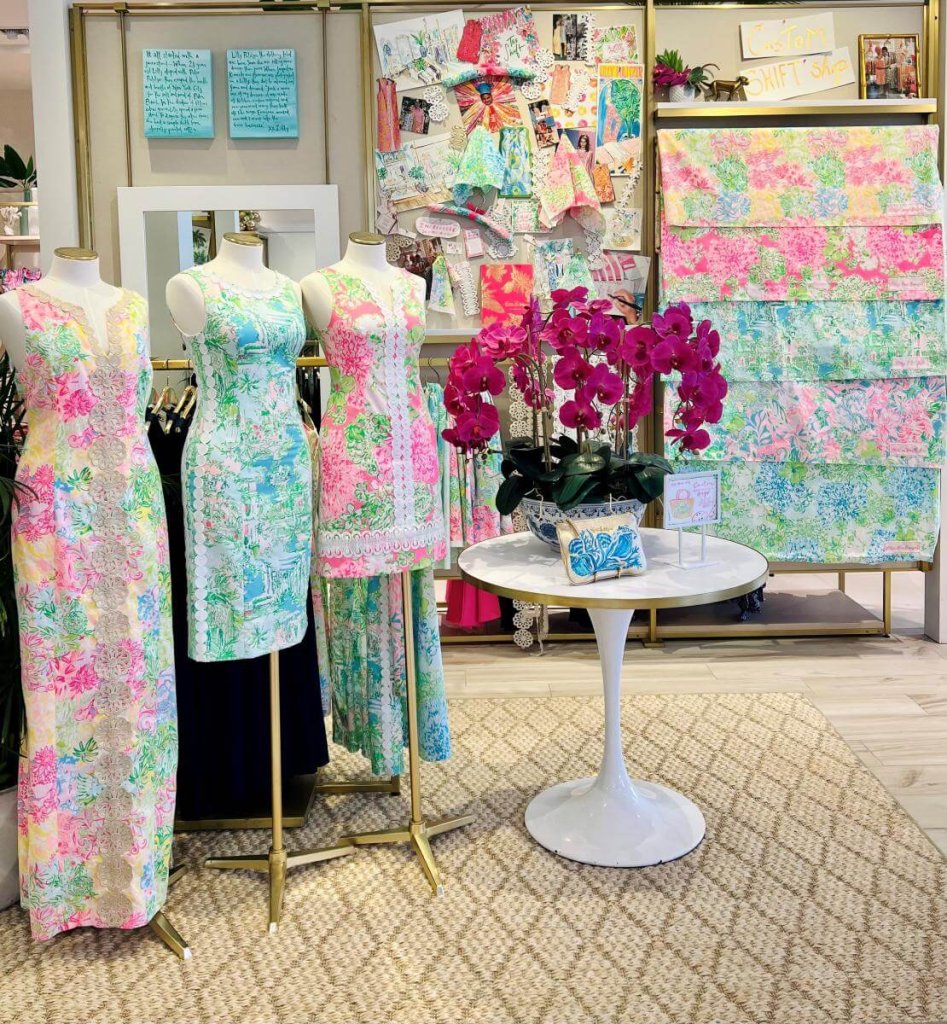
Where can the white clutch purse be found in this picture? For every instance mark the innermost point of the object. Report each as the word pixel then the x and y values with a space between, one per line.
pixel 601 549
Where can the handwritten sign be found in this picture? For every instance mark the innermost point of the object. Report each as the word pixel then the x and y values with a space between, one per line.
pixel 178 90
pixel 799 76
pixel 436 227
pixel 691 499
pixel 261 88
pixel 788 37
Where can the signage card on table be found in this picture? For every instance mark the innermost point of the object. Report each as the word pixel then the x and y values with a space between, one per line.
pixel 799 76
pixel 788 37
pixel 261 87
pixel 178 90
pixel 691 499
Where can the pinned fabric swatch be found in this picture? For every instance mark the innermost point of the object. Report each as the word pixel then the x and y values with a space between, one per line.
pixel 462 277
pixel 865 422
pixel 505 291
pixel 490 102
pixel 468 49
pixel 897 262
pixel 389 130
pixel 475 216
pixel 481 166
pixel 770 341
pixel 568 188
pixel 559 265
pixel 765 177
pixel 509 39
pixel 442 297
pixel 795 512
pixel 559 84
pixel 514 148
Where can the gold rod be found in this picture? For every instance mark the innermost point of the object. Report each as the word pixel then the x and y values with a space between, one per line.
pixel 276 759
pixel 886 602
pixel 325 94
pixel 122 11
pixel 368 127
pixel 80 113
pixel 414 749
pixel 171 365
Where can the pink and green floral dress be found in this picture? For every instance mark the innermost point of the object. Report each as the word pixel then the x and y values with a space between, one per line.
pixel 90 554
pixel 379 507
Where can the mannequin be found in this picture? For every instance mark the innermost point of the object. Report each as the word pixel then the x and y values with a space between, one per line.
pixel 239 260
pixel 74 278
pixel 365 257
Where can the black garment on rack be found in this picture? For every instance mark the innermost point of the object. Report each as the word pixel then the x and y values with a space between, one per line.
pixel 223 706
pixel 309 389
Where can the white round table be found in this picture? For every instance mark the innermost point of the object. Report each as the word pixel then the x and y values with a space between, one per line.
pixel 614 820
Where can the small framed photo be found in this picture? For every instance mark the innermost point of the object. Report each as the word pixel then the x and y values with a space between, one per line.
pixel 691 499
pixel 889 67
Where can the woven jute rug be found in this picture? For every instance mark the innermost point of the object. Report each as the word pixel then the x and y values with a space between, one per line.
pixel 813 898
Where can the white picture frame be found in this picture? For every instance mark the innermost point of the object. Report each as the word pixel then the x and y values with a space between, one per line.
pixel 691 499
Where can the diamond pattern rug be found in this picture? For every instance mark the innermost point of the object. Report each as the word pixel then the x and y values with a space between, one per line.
pixel 814 897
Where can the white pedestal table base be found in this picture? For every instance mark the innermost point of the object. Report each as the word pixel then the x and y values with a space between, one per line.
pixel 613 820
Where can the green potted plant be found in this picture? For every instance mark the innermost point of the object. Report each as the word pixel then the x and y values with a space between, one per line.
pixel 15 174
pixel 11 691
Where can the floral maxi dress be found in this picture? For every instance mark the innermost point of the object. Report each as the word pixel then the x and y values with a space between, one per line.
pixel 90 555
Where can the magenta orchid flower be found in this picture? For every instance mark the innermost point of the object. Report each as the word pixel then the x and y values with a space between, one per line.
pixel 483 375
pixel 572 371
pixel 604 385
pixel 579 412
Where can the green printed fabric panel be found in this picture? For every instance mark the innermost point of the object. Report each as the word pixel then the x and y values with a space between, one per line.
pixel 796 512
pixel 869 422
pixel 827 340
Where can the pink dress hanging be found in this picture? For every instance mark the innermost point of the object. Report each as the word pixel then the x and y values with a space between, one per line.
pixel 469 47
pixel 389 133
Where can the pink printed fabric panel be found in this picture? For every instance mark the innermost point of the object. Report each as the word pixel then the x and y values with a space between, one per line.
pixel 860 422
pixel 885 263
pixel 782 177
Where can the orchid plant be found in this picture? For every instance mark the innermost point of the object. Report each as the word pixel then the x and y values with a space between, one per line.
pixel 608 372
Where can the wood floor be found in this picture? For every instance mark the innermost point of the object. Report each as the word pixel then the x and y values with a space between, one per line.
pixel 886 696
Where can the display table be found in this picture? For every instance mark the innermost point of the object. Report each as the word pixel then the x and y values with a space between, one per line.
pixel 613 820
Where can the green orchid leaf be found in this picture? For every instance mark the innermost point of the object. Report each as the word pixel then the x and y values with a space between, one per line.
pixel 511 492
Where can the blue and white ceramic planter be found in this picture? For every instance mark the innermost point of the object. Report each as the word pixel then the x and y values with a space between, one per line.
pixel 541 516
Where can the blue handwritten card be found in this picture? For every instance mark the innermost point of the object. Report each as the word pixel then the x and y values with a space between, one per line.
pixel 178 89
pixel 261 88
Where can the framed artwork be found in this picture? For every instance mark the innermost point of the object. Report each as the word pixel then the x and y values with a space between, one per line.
pixel 889 66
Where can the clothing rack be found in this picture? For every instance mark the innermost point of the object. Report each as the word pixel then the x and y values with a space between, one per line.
pixel 170 365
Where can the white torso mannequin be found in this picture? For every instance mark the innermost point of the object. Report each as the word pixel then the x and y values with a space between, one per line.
pixel 364 259
pixel 74 278
pixel 239 260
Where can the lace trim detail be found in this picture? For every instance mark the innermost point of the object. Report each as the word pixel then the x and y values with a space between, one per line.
pixel 278 285
pixel 375 542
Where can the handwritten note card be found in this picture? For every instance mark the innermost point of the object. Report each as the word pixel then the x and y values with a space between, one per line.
pixel 261 88
pixel 691 499
pixel 178 94
pixel 788 37
pixel 799 76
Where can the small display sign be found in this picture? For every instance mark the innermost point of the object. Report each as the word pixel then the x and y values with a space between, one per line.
pixel 691 499
pixel 178 91
pixel 261 88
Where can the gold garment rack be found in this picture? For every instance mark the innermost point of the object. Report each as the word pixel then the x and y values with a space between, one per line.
pixel 170 365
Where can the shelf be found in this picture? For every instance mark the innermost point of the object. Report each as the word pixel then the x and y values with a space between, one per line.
pixel 795 108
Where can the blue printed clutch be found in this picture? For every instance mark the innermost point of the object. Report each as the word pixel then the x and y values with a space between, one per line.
pixel 600 549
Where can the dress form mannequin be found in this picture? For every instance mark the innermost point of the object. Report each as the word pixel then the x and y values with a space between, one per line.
pixel 74 278
pixel 239 260
pixel 365 257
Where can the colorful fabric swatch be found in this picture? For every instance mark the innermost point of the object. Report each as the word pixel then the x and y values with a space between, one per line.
pixel 505 290
pixel 509 39
pixel 442 297
pixel 770 341
pixel 518 178
pixel 488 101
pixel 868 422
pixel 468 49
pixel 894 262
pixel 558 265
pixel 481 166
pixel 765 177
pixel 795 512
pixel 567 188
pixel 389 130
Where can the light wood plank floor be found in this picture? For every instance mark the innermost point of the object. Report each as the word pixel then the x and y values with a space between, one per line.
pixel 886 697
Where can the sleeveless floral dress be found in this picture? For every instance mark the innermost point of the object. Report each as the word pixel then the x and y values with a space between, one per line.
pixel 379 506
pixel 246 475
pixel 90 556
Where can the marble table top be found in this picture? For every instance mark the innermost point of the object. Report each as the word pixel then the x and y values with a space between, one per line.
pixel 524 568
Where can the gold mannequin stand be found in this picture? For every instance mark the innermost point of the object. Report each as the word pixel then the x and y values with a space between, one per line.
pixel 417 832
pixel 279 861
pixel 166 931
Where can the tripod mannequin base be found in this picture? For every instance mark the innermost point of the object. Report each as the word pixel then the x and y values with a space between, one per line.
pixel 418 835
pixel 276 865
pixel 166 931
